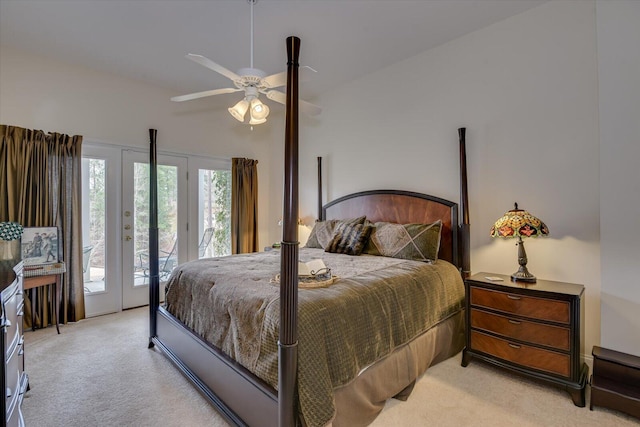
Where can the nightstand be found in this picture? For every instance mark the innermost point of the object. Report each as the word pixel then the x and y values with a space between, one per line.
pixel 534 329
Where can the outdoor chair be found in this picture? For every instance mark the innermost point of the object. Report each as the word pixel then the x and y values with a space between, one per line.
pixel 205 242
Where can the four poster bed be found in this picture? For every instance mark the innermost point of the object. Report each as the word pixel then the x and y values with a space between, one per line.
pixel 267 351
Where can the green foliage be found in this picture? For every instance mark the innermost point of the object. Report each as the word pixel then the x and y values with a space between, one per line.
pixel 216 189
pixel 221 181
pixel 167 179
pixel 215 203
pixel 97 200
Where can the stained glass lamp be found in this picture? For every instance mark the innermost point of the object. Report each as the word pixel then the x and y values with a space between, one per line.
pixel 520 223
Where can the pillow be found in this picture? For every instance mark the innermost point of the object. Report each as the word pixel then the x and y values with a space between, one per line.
pixel 419 242
pixel 323 231
pixel 349 239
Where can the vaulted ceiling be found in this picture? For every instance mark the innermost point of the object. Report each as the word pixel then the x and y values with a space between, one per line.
pixel 148 39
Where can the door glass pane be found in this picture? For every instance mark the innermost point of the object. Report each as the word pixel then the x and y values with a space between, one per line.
pixel 214 208
pixel 167 221
pixel 93 253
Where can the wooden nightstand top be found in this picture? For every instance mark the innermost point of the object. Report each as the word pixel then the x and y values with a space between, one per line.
pixel 539 286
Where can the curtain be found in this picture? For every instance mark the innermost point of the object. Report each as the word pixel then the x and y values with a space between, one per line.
pixel 244 205
pixel 40 186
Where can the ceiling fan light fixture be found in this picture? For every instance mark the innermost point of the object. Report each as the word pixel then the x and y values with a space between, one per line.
pixel 259 111
pixel 239 110
pixel 257 121
pixel 252 82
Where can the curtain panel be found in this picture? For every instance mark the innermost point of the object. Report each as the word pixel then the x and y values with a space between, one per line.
pixel 244 205
pixel 40 186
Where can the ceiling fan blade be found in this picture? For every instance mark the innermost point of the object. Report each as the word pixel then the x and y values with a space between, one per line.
pixel 277 96
pixel 306 107
pixel 275 80
pixel 309 108
pixel 213 66
pixel 197 95
pixel 280 79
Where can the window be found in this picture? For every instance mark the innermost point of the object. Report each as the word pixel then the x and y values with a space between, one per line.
pixel 214 212
pixel 93 251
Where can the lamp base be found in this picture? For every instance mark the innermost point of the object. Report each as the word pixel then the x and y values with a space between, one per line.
pixel 523 275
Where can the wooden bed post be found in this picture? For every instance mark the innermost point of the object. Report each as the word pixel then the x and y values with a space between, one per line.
pixel 319 188
pixel 154 283
pixel 288 335
pixel 465 238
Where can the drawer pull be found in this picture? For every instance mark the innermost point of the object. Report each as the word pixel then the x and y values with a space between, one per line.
pixel 514 322
pixel 514 297
pixel 514 346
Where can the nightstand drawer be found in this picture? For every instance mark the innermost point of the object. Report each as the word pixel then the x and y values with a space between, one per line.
pixel 524 355
pixel 523 330
pixel 532 307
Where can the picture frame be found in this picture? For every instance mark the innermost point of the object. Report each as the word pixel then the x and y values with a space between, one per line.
pixel 40 245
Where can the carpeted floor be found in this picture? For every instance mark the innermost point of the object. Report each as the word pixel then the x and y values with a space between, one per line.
pixel 99 372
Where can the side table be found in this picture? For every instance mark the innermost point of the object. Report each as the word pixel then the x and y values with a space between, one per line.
pixel 40 275
pixel 535 329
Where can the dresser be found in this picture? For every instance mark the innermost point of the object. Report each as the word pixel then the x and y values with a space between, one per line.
pixel 534 329
pixel 14 379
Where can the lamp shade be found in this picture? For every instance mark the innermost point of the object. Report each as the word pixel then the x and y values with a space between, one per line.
pixel 239 110
pixel 259 112
pixel 257 122
pixel 518 223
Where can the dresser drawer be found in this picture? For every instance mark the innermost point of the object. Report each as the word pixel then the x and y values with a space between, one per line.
pixel 532 307
pixel 523 330
pixel 524 355
pixel 12 320
pixel 13 375
pixel 14 418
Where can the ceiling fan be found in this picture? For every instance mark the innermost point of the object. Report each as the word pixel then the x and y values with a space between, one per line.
pixel 253 82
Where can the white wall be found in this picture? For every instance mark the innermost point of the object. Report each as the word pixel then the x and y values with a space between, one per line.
pixel 40 93
pixel 618 25
pixel 526 89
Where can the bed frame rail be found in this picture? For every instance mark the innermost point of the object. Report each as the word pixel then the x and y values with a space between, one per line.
pixel 237 391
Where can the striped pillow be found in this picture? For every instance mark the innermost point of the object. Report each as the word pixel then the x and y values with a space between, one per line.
pixel 323 231
pixel 349 239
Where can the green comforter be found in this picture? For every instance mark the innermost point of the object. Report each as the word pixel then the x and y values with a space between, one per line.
pixel 376 305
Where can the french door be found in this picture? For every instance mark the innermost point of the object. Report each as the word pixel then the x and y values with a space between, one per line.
pixel 101 255
pixel 115 220
pixel 172 222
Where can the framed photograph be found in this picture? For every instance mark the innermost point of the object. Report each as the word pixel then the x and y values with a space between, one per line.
pixel 40 245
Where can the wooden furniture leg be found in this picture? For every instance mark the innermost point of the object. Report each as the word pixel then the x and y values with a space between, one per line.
pixel 54 294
